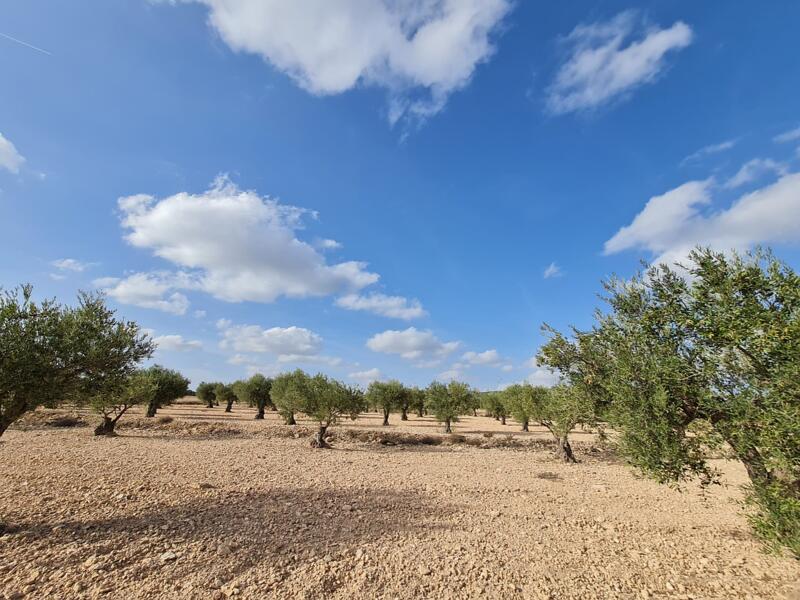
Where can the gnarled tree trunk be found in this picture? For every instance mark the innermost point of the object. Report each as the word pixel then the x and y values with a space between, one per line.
pixel 260 411
pixel 447 428
pixel 318 441
pixel 385 417
pixel 290 419
pixel 564 450
pixel 404 414
pixel 151 409
pixel 502 419
pixel 229 406
pixel 209 403
pixel 420 412
pixel 525 425
pixel 106 427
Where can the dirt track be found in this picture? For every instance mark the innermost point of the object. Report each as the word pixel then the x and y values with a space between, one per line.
pixel 172 513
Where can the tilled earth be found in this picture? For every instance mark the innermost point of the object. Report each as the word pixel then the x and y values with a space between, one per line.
pixel 217 505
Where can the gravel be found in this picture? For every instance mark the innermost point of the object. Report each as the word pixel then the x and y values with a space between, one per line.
pixel 216 505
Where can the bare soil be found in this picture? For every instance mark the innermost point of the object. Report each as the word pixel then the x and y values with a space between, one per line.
pixel 216 505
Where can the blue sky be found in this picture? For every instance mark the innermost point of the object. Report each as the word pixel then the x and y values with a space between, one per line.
pixel 402 188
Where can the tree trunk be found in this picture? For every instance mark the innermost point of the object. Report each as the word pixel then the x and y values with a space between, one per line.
pixel 474 412
pixel 496 417
pixel 106 427
pixel 209 403
pixel 319 438
pixel 4 423
pixel 290 419
pixel 525 425
pixel 420 413
pixel 385 417
pixel 260 413
pixel 404 414
pixel 447 428
pixel 502 419
pixel 151 409
pixel 564 450
pixel 229 406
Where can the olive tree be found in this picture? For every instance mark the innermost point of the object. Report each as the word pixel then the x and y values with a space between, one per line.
pixel 288 393
pixel 205 392
pixel 255 392
pixel 50 353
pixel 417 401
pixel 112 403
pixel 386 396
pixel 495 406
pixel 224 393
pixel 519 399
pixel 691 359
pixel 326 400
pixel 170 386
pixel 448 402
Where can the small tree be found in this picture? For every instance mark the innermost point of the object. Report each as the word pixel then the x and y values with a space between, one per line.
pixel 288 394
pixel 386 396
pixel 448 402
pixel 326 401
pixel 224 393
pixel 50 353
pixel 417 401
pixel 170 385
pixel 495 406
pixel 113 403
pixel 258 393
pixel 205 392
pixel 560 409
pixel 519 398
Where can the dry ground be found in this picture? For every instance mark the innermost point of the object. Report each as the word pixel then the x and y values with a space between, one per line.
pixel 188 510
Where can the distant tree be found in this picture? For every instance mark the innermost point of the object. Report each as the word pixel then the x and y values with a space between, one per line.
pixel 404 403
pixel 170 386
pixel 495 406
pixel 205 392
pixel 114 401
pixel 224 393
pixel 326 400
pixel 288 394
pixel 50 353
pixel 519 399
pixel 257 393
pixel 417 401
pixel 448 402
pixel 386 396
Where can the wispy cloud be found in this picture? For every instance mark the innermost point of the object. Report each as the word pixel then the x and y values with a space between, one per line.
pixel 552 270
pixel 26 44
pixel 707 150
pixel 788 136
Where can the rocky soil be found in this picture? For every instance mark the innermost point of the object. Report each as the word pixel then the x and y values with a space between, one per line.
pixel 220 506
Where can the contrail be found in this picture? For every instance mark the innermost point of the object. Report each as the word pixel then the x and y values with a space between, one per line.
pixel 8 37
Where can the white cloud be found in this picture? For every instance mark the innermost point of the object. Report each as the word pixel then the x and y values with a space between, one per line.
pixel 788 136
pixel 552 270
pixel 70 264
pixel 147 290
pixel 453 374
pixel 670 225
pixel 199 314
pixel 236 245
pixel 754 169
pixel 545 377
pixel 507 368
pixel 396 307
pixel 489 357
pixel 176 343
pixel 411 344
pixel 711 149
pixel 57 276
pixel 601 67
pixel 10 159
pixel 295 341
pixel 326 244
pixel 420 51
pixel 366 377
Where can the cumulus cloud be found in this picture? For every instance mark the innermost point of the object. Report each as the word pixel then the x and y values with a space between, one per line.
pixel 176 343
pixel 412 344
pixel 710 149
pixel 296 345
pixel 397 307
pixel 754 169
pixel 607 60
pixel 552 270
pixel 487 358
pixel 236 245
pixel 787 136
pixel 147 290
pixel 70 264
pixel 10 159
pixel 541 376
pixel 366 377
pixel 420 51
pixel 670 225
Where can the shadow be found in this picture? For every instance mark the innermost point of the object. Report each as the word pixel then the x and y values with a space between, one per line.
pixel 283 528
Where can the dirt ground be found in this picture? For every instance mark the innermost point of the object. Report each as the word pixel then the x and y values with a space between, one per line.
pixel 193 509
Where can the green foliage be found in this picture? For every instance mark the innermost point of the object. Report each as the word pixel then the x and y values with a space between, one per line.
pixel 254 392
pixel 328 399
pixel 495 406
pixel 50 353
pixel 386 396
pixel 224 393
pixel 140 388
pixel 416 400
pixel 288 394
pixel 519 401
pixel 718 351
pixel 170 386
pixel 205 392
pixel 448 402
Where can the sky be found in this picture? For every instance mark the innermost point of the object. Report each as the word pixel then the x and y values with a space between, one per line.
pixel 383 189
